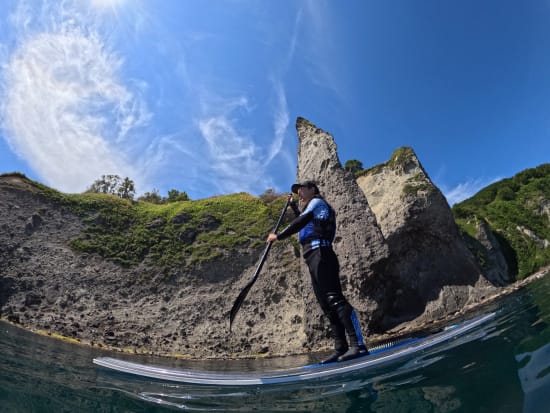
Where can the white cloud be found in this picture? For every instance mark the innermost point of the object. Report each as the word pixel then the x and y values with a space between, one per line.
pixel 281 116
pixel 64 109
pixel 466 189
pixel 71 115
pixel 232 156
pixel 321 47
pixel 280 122
pixel 236 160
pixel 291 50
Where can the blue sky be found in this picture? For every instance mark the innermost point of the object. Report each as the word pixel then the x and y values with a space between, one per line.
pixel 202 96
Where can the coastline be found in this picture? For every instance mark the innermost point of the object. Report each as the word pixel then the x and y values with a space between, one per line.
pixel 373 339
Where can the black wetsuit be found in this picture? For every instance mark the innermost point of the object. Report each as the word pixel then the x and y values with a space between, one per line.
pixel 317 226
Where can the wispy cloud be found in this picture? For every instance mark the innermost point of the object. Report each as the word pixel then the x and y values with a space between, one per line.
pixel 238 153
pixel 75 105
pixel 221 142
pixel 281 115
pixel 232 154
pixel 320 47
pixel 291 49
pixel 65 110
pixel 466 189
pixel 280 122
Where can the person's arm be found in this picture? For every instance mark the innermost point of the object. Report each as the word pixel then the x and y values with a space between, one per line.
pixel 296 225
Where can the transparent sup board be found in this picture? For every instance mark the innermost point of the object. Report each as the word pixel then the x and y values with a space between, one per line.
pixel 377 357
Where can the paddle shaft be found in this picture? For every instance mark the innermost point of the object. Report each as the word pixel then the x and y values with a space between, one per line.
pixel 244 292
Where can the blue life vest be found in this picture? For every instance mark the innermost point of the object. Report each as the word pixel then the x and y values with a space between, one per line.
pixel 320 231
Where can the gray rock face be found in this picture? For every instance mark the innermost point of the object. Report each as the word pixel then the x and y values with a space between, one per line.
pixel 402 260
pixel 497 271
pixel 359 242
pixel 46 285
pixel 431 272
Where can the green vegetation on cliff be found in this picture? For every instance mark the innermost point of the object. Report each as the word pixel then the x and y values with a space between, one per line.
pixel 518 212
pixel 398 161
pixel 177 233
pixel 173 234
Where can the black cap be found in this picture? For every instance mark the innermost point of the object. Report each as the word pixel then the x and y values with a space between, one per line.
pixel 308 184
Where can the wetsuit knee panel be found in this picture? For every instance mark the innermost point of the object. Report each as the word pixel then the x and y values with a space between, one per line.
pixel 335 300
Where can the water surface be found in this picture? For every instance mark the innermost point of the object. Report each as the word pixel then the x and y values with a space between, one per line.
pixel 503 366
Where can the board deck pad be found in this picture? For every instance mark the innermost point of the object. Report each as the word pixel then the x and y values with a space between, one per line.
pixel 377 357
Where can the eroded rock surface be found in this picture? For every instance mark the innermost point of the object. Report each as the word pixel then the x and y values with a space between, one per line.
pixel 431 272
pixel 403 263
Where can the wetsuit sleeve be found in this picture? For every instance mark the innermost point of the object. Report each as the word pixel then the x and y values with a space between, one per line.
pixel 296 225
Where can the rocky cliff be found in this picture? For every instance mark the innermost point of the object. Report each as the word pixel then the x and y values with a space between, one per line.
pixel 164 279
pixel 47 285
pixel 431 272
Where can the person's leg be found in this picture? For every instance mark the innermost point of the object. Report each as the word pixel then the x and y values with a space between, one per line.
pixel 329 278
pixel 337 330
pixel 338 333
pixel 348 319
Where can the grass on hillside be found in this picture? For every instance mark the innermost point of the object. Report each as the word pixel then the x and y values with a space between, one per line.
pixel 173 234
pixel 514 210
pixel 178 233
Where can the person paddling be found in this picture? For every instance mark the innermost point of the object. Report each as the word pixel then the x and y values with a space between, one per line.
pixel 316 225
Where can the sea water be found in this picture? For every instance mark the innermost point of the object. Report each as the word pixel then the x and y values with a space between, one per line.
pixel 502 366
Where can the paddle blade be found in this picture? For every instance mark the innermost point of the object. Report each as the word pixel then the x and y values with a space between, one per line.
pixel 242 295
pixel 239 301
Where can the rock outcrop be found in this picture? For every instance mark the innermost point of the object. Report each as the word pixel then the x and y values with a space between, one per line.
pixel 359 242
pixel 496 268
pixel 431 272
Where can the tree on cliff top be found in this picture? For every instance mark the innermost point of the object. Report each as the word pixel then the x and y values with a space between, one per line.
pixel 114 185
pixel 353 165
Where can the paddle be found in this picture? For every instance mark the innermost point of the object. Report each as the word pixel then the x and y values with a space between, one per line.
pixel 240 299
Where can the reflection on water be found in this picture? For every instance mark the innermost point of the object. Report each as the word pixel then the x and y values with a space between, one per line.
pixel 534 375
pixel 503 366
